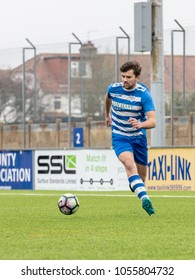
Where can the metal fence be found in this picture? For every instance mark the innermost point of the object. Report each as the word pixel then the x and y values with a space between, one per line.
pixel 120 47
pixel 96 135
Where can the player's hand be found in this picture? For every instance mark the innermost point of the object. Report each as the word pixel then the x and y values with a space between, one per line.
pixel 135 123
pixel 108 121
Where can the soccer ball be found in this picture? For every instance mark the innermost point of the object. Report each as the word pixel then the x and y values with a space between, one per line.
pixel 68 204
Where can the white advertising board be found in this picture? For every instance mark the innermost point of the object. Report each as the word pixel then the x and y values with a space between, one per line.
pixel 79 170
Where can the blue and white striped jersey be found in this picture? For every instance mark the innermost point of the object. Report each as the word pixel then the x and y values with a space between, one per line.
pixel 129 104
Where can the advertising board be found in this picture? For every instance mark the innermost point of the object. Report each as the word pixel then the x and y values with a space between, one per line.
pixel 16 170
pixel 99 169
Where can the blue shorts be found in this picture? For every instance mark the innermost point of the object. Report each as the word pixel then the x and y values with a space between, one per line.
pixel 135 144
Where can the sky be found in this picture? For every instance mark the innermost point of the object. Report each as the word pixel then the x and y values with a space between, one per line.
pixel 53 21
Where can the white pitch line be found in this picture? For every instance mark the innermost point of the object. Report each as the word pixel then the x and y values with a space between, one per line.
pixel 94 195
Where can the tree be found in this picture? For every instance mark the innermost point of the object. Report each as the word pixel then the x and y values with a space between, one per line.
pixel 95 88
pixel 11 110
pixel 10 98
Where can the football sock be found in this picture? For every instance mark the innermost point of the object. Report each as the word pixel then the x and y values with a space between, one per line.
pixel 137 186
pixel 131 187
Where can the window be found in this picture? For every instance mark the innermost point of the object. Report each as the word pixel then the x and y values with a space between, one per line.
pixel 74 69
pixel 57 102
pixel 87 72
pixel 86 69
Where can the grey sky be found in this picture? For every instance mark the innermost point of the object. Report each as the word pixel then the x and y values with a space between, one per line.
pixel 50 23
pixel 47 21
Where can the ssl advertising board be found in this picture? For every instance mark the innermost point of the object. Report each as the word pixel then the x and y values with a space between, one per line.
pixel 16 170
pixel 76 170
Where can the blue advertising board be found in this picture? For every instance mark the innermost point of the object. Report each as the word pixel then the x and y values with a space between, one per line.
pixel 16 170
pixel 78 137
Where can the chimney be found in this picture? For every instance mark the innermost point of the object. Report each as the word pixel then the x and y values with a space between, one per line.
pixel 89 50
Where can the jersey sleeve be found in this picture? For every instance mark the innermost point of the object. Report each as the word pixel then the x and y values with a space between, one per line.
pixel 148 103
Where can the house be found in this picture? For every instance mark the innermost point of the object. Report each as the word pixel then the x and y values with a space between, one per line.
pixel 53 81
pixel 58 92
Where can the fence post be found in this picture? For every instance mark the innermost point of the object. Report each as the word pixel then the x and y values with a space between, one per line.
pixel 29 126
pixel 190 135
pixel 1 135
pixel 88 123
pixel 58 133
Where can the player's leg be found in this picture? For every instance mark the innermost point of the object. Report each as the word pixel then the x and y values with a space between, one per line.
pixel 135 181
pixel 127 160
pixel 124 151
pixel 146 203
pixel 142 171
pixel 141 158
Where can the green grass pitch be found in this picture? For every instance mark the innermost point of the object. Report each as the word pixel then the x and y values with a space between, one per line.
pixel 107 226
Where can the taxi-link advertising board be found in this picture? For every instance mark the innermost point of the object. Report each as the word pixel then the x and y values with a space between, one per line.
pixel 16 170
pixel 171 169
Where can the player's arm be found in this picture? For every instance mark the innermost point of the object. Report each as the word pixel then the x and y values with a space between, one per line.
pixel 151 120
pixel 108 104
pixel 149 123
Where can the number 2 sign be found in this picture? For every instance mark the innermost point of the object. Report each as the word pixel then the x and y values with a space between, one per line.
pixel 78 137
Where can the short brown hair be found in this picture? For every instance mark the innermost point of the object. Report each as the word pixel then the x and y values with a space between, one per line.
pixel 131 65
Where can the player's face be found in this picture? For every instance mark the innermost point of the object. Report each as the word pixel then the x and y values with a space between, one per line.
pixel 129 79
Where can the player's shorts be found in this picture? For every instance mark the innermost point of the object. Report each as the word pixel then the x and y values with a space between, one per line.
pixel 135 144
